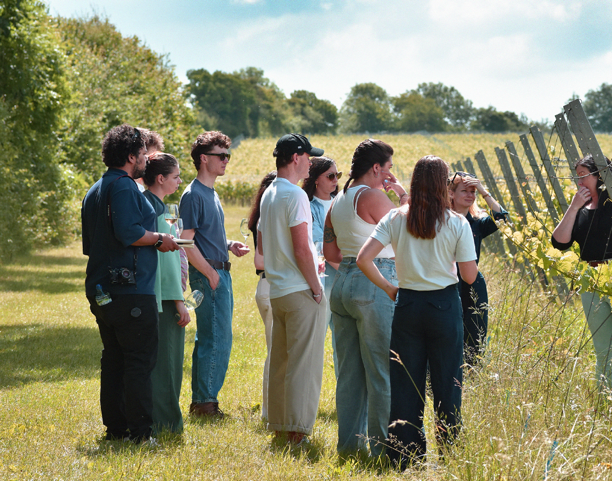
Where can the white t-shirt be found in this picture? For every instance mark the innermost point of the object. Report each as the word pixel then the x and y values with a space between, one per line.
pixel 325 203
pixel 426 264
pixel 284 205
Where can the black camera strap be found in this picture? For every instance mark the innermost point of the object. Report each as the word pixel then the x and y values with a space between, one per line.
pixel 110 221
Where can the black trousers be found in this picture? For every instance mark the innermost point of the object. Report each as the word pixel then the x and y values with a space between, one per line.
pixel 427 329
pixel 475 318
pixel 128 328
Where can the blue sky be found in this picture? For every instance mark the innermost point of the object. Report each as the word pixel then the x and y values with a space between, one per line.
pixel 519 55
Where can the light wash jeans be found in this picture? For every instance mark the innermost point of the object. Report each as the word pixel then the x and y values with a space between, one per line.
pixel 213 339
pixel 598 314
pixel 362 315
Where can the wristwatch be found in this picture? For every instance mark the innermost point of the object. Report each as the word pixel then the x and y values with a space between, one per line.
pixel 160 241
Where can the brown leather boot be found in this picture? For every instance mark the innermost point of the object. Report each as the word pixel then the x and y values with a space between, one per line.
pixel 209 409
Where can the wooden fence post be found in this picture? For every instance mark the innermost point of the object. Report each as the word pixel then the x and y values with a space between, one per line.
pixel 521 177
pixel 587 141
pixel 488 177
pixel 538 138
pixel 550 205
pixel 571 152
pixel 514 193
pixel 469 166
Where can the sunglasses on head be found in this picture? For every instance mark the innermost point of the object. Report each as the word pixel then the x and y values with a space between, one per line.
pixel 331 176
pixel 222 156
pixel 460 174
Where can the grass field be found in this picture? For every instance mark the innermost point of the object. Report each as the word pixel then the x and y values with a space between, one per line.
pixel 532 411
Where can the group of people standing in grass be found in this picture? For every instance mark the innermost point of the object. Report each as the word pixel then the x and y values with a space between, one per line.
pixel 396 284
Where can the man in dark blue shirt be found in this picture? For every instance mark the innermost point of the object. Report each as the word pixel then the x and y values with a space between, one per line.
pixel 120 238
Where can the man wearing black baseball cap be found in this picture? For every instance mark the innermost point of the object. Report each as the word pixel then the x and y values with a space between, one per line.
pixel 296 144
pixel 296 294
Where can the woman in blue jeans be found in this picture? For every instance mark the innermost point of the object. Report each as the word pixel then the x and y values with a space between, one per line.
pixel 361 312
pixel 429 241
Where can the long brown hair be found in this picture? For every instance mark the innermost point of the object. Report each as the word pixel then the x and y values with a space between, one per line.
pixel 428 197
pixel 256 206
pixel 319 165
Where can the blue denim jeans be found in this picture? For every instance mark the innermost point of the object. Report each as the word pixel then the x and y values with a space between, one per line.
pixel 362 315
pixel 427 329
pixel 213 340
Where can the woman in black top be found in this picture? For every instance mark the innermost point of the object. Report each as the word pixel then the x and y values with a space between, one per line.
pixel 588 221
pixel 462 190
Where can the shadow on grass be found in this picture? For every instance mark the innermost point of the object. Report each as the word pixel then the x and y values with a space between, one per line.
pixel 20 277
pixel 166 441
pixel 312 450
pixel 37 353
pixel 328 415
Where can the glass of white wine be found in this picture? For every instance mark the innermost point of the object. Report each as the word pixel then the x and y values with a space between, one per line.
pixel 178 225
pixel 320 256
pixel 172 213
pixel 192 301
pixel 244 229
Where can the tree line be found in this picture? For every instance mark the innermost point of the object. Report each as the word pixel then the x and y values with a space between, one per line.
pixel 64 82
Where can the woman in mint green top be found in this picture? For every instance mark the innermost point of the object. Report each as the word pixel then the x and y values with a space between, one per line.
pixel 162 178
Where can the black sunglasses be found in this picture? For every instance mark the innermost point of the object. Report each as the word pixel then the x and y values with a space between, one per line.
pixel 331 176
pixel 460 174
pixel 221 156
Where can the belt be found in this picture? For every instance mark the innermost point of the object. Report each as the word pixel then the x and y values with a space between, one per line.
pixel 224 266
pixel 597 263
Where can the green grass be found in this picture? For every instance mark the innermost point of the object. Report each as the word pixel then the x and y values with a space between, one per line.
pixel 532 403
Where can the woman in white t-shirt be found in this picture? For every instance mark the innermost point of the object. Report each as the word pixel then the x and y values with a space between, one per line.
pixel 361 312
pixel 429 241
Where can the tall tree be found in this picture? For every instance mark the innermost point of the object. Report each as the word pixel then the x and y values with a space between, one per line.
pixel 366 109
pixel 115 80
pixel 598 107
pixel 34 192
pixel 492 120
pixel 311 115
pixel 458 111
pixel 414 113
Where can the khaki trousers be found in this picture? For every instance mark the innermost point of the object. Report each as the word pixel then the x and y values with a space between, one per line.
pixel 296 362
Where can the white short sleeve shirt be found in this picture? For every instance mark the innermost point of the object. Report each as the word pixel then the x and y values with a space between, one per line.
pixel 284 205
pixel 426 264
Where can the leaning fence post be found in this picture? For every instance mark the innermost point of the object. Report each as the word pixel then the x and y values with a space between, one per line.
pixel 538 138
pixel 514 193
pixel 521 177
pixel 552 210
pixel 587 141
pixel 569 147
pixel 496 239
pixel 488 177
pixel 469 166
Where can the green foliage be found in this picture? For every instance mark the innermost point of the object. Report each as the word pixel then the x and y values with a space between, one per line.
pixel 237 192
pixel 415 112
pixel 366 109
pixel 598 107
pixel 117 80
pixel 243 102
pixel 458 112
pixel 311 115
pixel 34 190
pixel 492 120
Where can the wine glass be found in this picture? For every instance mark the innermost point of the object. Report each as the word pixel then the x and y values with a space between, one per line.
pixel 320 256
pixel 172 213
pixel 178 225
pixel 192 301
pixel 244 229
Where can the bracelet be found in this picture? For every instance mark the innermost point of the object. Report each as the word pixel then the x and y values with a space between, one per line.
pixel 316 295
pixel 401 196
pixel 485 196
